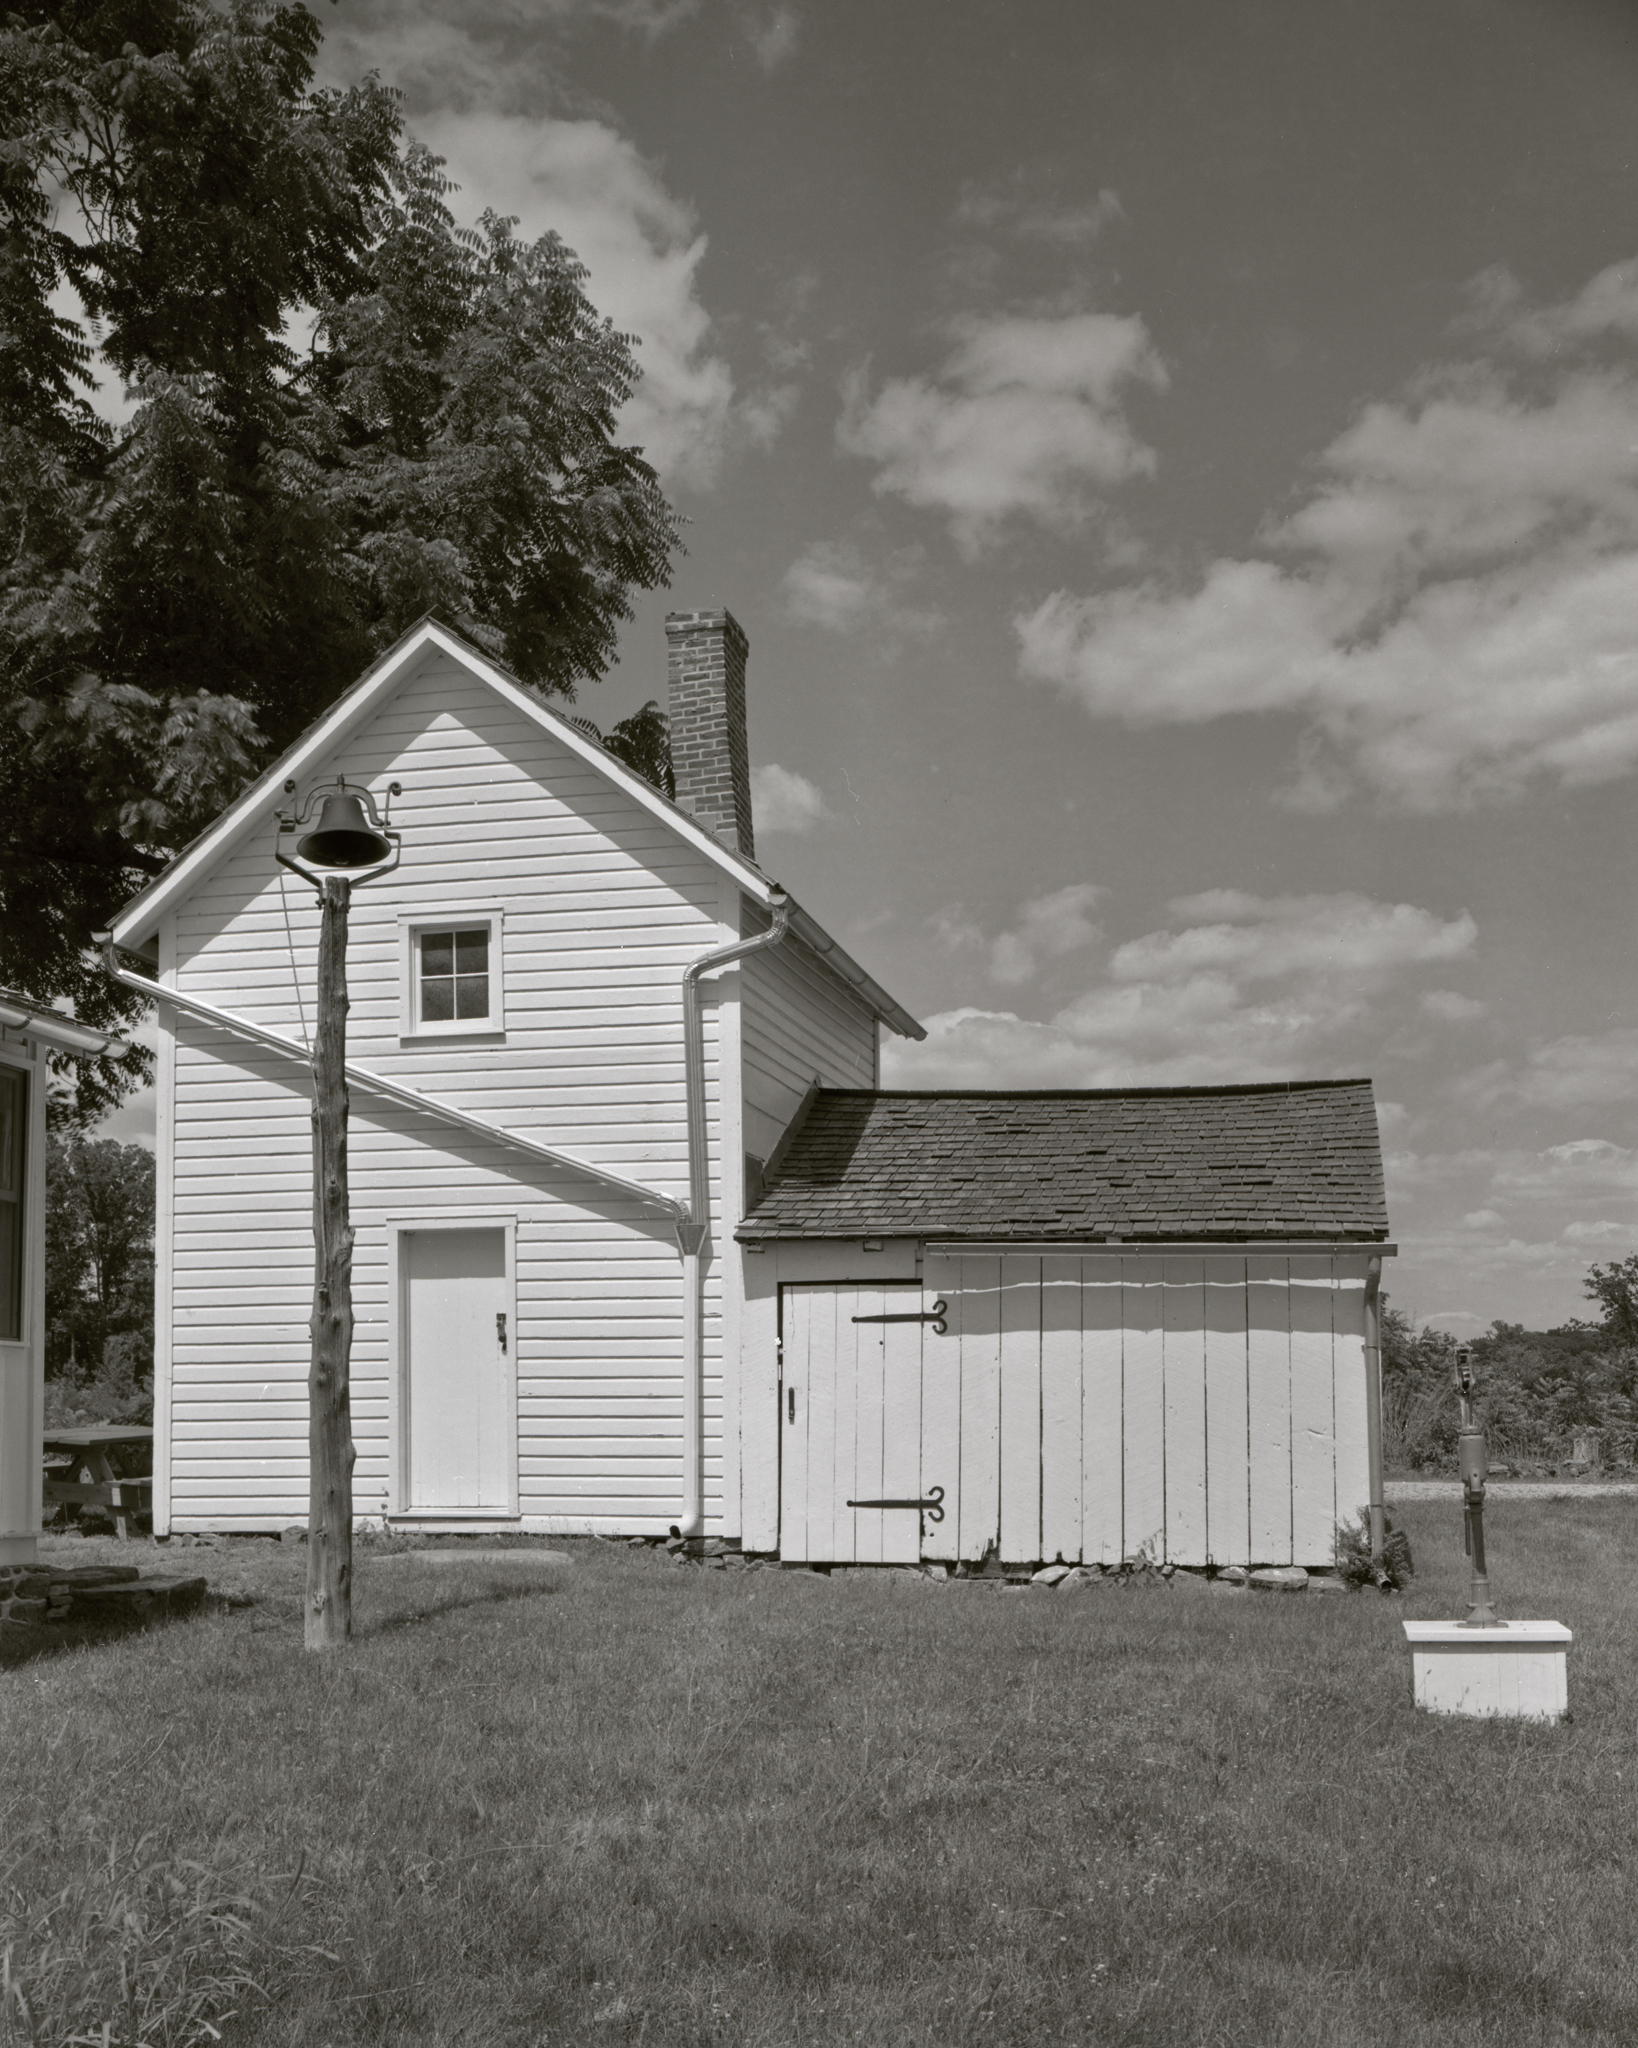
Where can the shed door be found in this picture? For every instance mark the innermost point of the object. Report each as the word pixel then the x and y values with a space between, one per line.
pixel 460 1438
pixel 851 1427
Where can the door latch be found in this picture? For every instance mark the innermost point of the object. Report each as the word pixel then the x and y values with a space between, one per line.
pixel 500 1329
pixel 790 1400
pixel 934 1315
pixel 931 1507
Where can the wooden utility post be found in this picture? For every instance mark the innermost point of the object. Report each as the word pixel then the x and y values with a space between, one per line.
pixel 329 1404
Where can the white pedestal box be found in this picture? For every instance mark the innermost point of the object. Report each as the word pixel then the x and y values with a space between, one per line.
pixel 1517 1669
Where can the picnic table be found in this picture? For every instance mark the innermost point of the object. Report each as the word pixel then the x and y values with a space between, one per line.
pixel 106 1465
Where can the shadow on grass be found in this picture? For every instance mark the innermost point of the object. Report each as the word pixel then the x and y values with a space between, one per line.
pixel 377 1612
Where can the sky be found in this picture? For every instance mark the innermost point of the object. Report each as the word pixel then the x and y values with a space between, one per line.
pixel 1177 468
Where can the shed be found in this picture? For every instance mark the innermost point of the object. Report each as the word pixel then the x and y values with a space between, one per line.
pixel 1068 1325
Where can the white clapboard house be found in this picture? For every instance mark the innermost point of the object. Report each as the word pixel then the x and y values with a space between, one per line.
pixel 641 1244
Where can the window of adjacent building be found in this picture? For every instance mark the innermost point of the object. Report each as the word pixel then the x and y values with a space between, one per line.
pixel 13 1161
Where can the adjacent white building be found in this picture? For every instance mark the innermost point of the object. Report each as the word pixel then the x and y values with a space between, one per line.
pixel 30 1032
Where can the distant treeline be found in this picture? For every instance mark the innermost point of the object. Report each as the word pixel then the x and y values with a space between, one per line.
pixel 1547 1397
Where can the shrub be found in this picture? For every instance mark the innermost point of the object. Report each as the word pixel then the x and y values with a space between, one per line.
pixel 1355 1564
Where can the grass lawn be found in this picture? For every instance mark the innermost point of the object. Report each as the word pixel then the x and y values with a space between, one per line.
pixel 662 1805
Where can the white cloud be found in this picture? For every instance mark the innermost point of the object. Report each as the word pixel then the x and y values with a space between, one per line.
pixel 831 585
pixel 1450 609
pixel 1023 419
pixel 1048 927
pixel 643 249
pixel 1603 1235
pixel 1023 204
pixel 783 801
pixel 1580 1071
pixel 1448 1007
pixel 1261 988
pixel 772 36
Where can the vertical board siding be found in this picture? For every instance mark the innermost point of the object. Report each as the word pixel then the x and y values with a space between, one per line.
pixel 1021 1444
pixel 900 1471
pixel 1062 1384
pixel 1184 1310
pixel 1313 1410
pixel 796 1319
pixel 1200 1410
pixel 977 1320
pixel 1143 1407
pixel 941 1410
pixel 1103 1423
pixel 1268 1399
pixel 604 907
pixel 1228 1490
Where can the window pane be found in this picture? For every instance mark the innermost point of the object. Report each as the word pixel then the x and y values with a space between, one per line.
pixel 472 952
pixel 437 1001
pixel 472 996
pixel 437 952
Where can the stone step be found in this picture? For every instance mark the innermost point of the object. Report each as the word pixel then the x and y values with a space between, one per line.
pixel 137 1599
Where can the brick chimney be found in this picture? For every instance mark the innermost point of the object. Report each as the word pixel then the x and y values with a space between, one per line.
pixel 705 689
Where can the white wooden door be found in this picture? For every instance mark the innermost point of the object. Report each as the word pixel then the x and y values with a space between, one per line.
pixel 460 1435
pixel 851 1427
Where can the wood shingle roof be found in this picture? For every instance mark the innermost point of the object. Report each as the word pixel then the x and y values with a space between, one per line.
pixel 1278 1160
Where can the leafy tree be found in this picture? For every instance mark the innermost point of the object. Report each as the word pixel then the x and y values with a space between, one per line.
pixel 1615 1289
pixel 643 742
pixel 180 596
pixel 100 1267
pixel 1418 1404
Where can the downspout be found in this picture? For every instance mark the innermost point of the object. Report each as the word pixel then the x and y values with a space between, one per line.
pixel 1373 1404
pixel 691 1233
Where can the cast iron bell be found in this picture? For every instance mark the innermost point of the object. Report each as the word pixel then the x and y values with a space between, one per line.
pixel 344 837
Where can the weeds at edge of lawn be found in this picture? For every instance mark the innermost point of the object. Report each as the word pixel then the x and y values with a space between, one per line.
pixel 140 1948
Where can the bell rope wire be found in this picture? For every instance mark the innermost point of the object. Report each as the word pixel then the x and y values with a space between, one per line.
pixel 290 941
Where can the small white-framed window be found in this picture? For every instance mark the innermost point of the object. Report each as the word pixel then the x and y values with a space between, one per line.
pixel 452 974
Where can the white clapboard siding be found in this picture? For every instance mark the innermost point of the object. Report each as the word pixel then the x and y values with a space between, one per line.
pixel 604 906
pixel 800 1023
pixel 1197 1410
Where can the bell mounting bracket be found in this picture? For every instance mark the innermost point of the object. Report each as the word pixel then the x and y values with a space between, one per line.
pixel 292 821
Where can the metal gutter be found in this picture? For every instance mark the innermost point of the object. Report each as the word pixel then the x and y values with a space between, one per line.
pixel 393 1091
pixel 819 942
pixel 64 1034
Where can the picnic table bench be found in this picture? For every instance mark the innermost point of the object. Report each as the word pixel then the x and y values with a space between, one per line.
pixel 106 1465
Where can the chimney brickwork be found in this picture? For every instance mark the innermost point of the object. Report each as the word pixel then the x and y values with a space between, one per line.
pixel 705 690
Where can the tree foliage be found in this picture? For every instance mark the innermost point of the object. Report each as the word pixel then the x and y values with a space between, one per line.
pixel 100 1274
pixel 1540 1391
pixel 642 742
pixel 347 412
